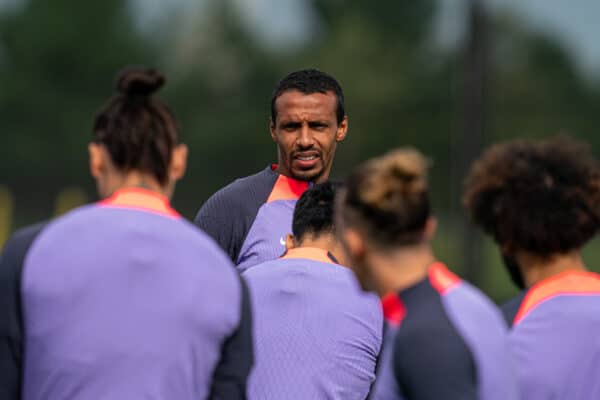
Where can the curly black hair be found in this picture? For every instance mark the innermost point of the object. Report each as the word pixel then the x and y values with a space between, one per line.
pixel 542 197
pixel 313 214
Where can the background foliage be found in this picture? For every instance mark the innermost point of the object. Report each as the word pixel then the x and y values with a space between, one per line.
pixel 58 59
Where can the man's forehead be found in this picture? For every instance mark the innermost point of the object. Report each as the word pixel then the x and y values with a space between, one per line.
pixel 294 104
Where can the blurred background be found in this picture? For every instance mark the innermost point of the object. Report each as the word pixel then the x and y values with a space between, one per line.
pixel 446 76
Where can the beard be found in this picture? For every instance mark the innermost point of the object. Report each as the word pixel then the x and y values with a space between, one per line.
pixel 516 276
pixel 363 277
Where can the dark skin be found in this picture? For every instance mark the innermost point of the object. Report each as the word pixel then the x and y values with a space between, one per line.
pixel 306 132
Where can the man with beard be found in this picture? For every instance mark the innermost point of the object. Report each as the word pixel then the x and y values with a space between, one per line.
pixel 250 217
pixel 540 201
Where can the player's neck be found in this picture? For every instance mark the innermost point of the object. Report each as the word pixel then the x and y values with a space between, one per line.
pixel 323 242
pixel 535 268
pixel 404 267
pixel 135 179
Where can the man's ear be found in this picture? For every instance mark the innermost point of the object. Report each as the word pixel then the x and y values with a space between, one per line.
pixel 272 129
pixel 354 243
pixel 290 241
pixel 178 162
pixel 342 130
pixel 430 229
pixel 97 162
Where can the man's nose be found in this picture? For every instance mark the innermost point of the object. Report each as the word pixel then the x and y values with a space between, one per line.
pixel 305 137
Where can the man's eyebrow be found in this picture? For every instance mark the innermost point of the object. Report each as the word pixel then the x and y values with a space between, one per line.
pixel 290 123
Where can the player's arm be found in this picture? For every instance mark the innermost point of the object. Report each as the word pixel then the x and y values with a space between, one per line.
pixel 11 320
pixel 225 217
pixel 231 375
pixel 434 363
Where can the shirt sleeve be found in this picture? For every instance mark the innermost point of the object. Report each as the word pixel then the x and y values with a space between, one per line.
pixel 228 215
pixel 433 362
pixel 216 218
pixel 11 319
pixel 231 375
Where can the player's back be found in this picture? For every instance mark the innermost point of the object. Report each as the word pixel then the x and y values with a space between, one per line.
pixel 317 336
pixel 555 338
pixel 445 340
pixel 122 303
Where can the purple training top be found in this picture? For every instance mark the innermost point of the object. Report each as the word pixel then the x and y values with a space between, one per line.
pixel 555 338
pixel 250 218
pixel 125 300
pixel 317 335
pixel 447 341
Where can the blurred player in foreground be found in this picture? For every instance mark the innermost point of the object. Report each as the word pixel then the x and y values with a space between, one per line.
pixel 250 217
pixel 124 299
pixel 540 201
pixel 317 334
pixel 446 339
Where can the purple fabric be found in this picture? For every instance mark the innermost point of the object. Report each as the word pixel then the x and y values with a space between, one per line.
pixel 386 385
pixel 125 304
pixel 317 335
pixel 482 327
pixel 557 349
pixel 266 238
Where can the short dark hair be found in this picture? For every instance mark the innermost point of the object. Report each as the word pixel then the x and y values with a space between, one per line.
pixel 387 198
pixel 138 130
pixel 314 211
pixel 538 196
pixel 310 81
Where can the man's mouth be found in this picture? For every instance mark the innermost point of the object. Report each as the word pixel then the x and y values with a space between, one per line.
pixel 306 160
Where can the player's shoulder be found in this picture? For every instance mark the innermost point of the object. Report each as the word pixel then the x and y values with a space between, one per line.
pixel 252 188
pixel 17 247
pixel 24 236
pixel 475 301
pixel 266 271
pixel 348 296
pixel 511 307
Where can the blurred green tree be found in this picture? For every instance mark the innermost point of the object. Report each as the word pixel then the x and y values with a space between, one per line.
pixel 58 60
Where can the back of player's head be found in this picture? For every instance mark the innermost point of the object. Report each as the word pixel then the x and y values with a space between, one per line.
pixel 313 214
pixel 538 196
pixel 387 198
pixel 138 130
pixel 309 81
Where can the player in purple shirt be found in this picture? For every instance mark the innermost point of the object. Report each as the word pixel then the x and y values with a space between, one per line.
pixel 124 299
pixel 250 217
pixel 445 340
pixel 317 335
pixel 540 201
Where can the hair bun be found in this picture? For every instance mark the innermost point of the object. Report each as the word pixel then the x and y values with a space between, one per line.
pixel 408 168
pixel 139 81
pixel 398 174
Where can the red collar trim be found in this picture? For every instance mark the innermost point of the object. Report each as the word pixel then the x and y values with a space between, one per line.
pixel 565 283
pixel 286 188
pixel 140 199
pixel 310 253
pixel 441 278
pixel 394 309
